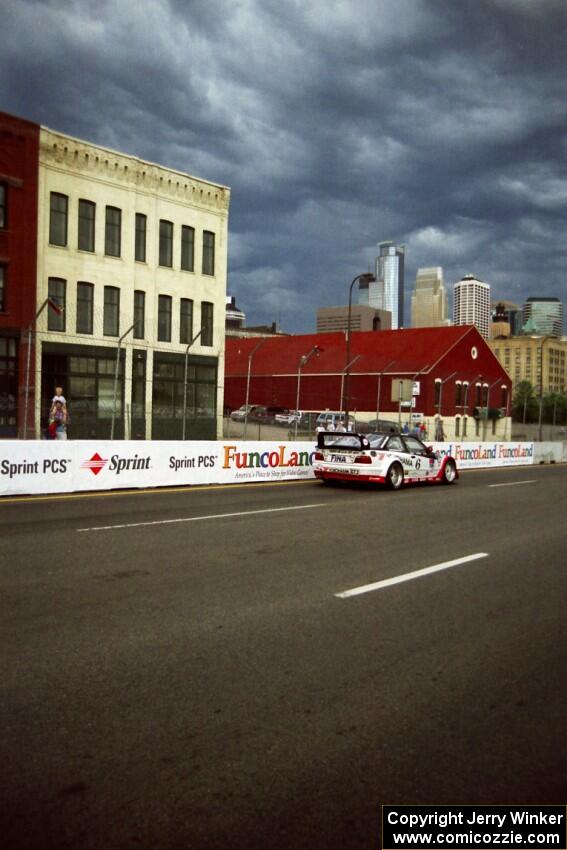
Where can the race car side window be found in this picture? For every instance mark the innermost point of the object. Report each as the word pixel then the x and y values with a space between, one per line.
pixel 395 445
pixel 415 446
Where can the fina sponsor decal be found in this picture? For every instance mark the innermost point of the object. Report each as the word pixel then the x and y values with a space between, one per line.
pixel 117 464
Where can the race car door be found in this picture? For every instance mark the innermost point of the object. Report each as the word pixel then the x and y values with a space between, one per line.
pixel 423 464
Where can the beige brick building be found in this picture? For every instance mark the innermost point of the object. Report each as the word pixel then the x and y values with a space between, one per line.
pixel 522 358
pixel 136 255
pixel 362 318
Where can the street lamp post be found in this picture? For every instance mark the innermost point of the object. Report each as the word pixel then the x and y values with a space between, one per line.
pixel 195 338
pixel 413 380
pixel 488 404
pixel 391 363
pixel 302 361
pixel 367 277
pixel 540 423
pixel 125 334
pixel 354 359
pixel 250 356
pixel 442 383
pixel 49 301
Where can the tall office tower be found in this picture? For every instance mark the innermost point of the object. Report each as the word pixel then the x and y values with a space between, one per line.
pixel 471 304
pixel 543 316
pixel 509 312
pixel 429 300
pixel 387 291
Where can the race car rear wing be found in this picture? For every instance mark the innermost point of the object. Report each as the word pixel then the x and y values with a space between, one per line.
pixel 341 440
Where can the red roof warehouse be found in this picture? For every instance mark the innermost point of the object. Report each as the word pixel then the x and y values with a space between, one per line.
pixel 456 374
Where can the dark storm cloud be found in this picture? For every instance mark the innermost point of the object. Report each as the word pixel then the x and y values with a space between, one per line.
pixel 438 124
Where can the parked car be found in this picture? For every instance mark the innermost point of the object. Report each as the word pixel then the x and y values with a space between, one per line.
pixel 240 414
pixel 333 420
pixel 288 418
pixel 266 414
pixel 390 459
pixel 377 426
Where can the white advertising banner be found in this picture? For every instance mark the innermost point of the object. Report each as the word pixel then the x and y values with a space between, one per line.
pixel 476 455
pixel 74 466
pixel 28 467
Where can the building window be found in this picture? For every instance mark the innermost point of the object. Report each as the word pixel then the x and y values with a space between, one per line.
pixel 139 313
pixel 86 226
pixel 140 246
pixel 111 319
pixel 58 219
pixel 185 320
pixel 206 323
pixel 504 398
pixel 56 293
pixel 437 391
pixel 2 288
pixel 458 394
pixel 485 395
pixel 187 248
pixel 8 386
pixel 478 401
pixel 465 420
pixel 164 318
pixel 166 244
pixel 457 426
pixel 112 232
pixel 3 206
pixel 85 301
pixel 208 252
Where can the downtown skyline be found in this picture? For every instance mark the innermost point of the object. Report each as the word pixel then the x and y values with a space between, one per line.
pixel 436 125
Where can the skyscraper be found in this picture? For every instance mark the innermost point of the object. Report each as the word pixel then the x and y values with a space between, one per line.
pixel 543 316
pixel 387 291
pixel 429 300
pixel 471 304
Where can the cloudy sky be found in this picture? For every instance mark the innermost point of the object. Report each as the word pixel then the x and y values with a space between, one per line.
pixel 439 124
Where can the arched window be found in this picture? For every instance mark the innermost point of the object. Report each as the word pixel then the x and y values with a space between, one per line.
pixel 437 391
pixel 465 420
pixel 458 393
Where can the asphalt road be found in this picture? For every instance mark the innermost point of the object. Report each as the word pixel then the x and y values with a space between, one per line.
pixel 178 670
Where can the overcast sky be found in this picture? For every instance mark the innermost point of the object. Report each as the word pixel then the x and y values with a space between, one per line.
pixel 439 124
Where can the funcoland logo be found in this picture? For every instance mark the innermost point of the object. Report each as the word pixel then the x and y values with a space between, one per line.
pixel 95 464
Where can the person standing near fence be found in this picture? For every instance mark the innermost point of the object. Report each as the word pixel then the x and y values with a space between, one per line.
pixel 58 421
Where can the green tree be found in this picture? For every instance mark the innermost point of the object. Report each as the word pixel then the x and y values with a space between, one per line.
pixel 525 407
pixel 554 408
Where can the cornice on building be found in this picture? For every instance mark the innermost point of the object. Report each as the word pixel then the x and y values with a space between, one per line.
pixel 58 150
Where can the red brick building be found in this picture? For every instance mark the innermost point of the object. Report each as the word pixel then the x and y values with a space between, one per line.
pixel 19 157
pixel 412 374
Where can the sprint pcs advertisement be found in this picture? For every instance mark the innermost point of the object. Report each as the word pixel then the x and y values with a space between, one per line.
pixel 70 466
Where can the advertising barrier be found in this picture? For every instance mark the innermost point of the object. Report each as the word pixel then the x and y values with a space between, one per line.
pixel 30 467
pixel 73 466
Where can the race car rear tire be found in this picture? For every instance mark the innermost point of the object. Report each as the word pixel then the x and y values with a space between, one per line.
pixel 395 476
pixel 449 472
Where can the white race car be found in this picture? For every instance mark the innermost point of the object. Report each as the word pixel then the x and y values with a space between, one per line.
pixel 391 459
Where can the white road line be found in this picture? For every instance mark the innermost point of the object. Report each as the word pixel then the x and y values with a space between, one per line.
pixel 199 518
pixel 514 483
pixel 388 582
